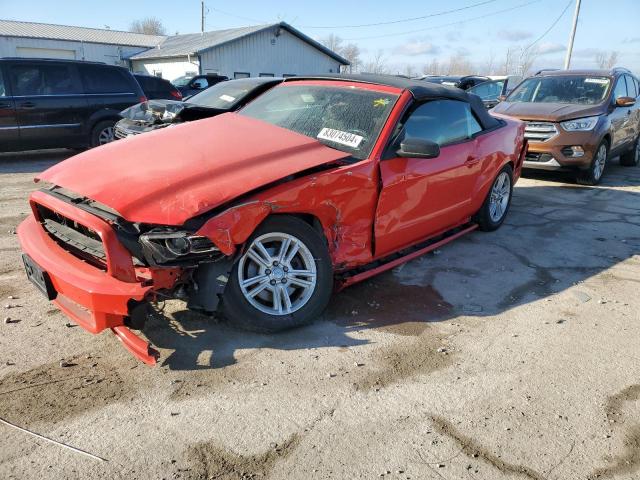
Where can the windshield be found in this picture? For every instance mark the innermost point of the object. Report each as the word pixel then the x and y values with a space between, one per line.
pixel 347 119
pixel 562 89
pixel 224 95
pixel 181 81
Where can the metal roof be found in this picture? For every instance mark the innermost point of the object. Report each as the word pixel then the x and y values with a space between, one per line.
pixel 194 43
pixel 12 28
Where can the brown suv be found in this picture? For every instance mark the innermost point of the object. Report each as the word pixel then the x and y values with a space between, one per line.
pixel 577 119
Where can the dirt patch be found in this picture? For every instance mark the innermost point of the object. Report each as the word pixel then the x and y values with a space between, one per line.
pixel 473 449
pixel 629 460
pixel 418 356
pixel 208 460
pixel 50 393
pixel 383 303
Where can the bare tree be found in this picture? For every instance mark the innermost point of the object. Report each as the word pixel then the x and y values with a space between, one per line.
pixel 528 56
pixel 460 65
pixel 409 71
pixel 148 26
pixel 607 60
pixel 332 42
pixel 377 64
pixel 351 52
pixel 433 68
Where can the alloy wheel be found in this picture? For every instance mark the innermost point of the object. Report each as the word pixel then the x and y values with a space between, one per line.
pixel 599 162
pixel 499 200
pixel 277 274
pixel 106 135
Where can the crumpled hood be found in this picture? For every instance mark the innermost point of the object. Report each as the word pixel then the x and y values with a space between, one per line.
pixel 170 175
pixel 551 112
pixel 154 111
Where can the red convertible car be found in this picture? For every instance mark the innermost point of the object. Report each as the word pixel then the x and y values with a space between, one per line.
pixel 258 215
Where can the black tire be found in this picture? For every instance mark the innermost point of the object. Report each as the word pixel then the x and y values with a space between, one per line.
pixel 631 157
pixel 96 138
pixel 236 308
pixel 484 218
pixel 592 176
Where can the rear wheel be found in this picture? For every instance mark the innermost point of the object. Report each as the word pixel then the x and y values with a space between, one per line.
pixel 496 205
pixel 102 133
pixel 283 280
pixel 593 174
pixel 631 158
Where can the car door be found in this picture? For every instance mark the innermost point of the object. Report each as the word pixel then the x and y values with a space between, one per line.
pixel 9 129
pixel 620 116
pixel 50 103
pixel 633 122
pixel 421 197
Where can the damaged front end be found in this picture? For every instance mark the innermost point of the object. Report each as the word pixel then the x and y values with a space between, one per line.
pixel 156 114
pixel 104 272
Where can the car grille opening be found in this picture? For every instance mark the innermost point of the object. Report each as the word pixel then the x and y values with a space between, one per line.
pixel 120 133
pixel 539 131
pixel 538 157
pixel 80 241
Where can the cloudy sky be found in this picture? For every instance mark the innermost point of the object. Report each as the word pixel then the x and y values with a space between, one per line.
pixel 479 30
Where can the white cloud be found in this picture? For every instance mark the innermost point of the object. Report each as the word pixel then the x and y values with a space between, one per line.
pixel 546 48
pixel 416 47
pixel 515 35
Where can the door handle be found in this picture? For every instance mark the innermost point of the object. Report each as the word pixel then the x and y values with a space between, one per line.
pixel 27 105
pixel 471 161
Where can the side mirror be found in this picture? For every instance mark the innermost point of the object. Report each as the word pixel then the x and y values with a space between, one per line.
pixel 412 147
pixel 625 101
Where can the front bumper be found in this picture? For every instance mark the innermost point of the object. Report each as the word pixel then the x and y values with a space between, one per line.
pixel 552 154
pixel 95 299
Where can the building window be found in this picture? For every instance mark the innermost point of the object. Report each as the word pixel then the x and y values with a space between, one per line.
pixel 241 74
pixel 288 75
pixel 267 75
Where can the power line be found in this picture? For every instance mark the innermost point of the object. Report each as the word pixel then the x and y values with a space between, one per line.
pixel 550 28
pixel 403 20
pixel 446 24
pixel 236 16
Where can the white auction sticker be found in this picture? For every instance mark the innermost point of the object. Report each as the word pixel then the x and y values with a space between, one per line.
pixel 227 98
pixel 338 136
pixel 601 81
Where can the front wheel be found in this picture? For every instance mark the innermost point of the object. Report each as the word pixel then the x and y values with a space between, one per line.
pixel 283 279
pixel 496 205
pixel 593 174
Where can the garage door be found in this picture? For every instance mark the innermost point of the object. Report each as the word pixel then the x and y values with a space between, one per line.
pixel 45 53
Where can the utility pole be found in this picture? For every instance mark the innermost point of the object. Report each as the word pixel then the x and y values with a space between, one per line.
pixel 202 16
pixel 567 58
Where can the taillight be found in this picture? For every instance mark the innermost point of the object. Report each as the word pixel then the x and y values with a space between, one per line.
pixel 143 99
pixel 176 94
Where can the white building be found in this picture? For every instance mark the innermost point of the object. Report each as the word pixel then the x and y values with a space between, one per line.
pixel 43 40
pixel 263 50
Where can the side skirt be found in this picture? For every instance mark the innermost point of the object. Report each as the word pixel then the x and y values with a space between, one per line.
pixel 348 278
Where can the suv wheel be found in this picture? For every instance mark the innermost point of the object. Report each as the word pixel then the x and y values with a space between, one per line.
pixel 103 133
pixel 283 280
pixel 593 174
pixel 631 158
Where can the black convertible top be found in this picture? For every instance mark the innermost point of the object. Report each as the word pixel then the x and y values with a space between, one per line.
pixel 419 89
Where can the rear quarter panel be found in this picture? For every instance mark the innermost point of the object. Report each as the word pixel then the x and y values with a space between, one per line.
pixel 499 147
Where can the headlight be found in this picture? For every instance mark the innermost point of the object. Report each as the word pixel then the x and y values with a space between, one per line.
pixel 172 247
pixel 580 124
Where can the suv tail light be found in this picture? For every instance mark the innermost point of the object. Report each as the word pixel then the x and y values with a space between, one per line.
pixel 142 99
pixel 176 94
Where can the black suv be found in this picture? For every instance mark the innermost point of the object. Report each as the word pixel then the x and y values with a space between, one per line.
pixel 61 103
pixel 156 88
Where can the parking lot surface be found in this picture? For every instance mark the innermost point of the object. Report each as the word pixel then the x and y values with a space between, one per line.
pixel 505 355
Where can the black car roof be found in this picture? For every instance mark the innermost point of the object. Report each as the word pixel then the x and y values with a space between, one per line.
pixel 419 89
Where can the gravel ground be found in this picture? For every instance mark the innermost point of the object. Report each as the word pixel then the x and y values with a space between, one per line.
pixel 506 355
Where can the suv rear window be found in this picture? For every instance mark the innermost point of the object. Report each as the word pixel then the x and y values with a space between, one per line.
pixel 573 89
pixel 105 80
